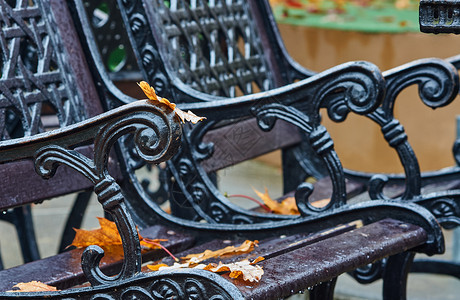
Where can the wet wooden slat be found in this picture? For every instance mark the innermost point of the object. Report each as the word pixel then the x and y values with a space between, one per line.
pixel 64 270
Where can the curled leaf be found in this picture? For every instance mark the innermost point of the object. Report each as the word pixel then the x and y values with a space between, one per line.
pixel 286 207
pixel 153 98
pixel 108 235
pixel 33 286
pixel 189 116
pixel 244 268
pixel 246 247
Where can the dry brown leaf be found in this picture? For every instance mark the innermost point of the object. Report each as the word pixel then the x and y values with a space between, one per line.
pixel 152 96
pixel 260 258
pixel 248 270
pixel 244 268
pixel 286 207
pixel 188 116
pixel 246 247
pixel 33 286
pixel 150 93
pixel 107 236
pixel 156 267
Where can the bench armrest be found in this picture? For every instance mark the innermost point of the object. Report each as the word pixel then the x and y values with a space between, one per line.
pixel 157 135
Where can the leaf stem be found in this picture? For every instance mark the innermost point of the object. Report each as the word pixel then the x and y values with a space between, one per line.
pixel 252 199
pixel 149 241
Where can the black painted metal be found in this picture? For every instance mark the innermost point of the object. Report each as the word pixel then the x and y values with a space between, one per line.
pixel 395 275
pixel 439 16
pixel 112 40
pixel 324 290
pixel 436 266
pixel 35 87
pixel 155 137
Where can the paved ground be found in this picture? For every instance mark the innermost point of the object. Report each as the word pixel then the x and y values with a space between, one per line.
pixel 50 217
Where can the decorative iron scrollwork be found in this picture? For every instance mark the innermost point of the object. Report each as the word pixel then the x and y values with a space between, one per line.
pixel 156 133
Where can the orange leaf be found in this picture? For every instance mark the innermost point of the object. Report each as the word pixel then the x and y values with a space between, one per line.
pixel 152 96
pixel 260 258
pixel 105 236
pixel 286 207
pixel 150 93
pixel 156 267
pixel 33 286
pixel 246 247
pixel 150 243
pixel 245 269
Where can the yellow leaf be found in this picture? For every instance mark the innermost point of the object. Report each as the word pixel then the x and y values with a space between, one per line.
pixel 150 93
pixel 156 267
pixel 154 99
pixel 33 286
pixel 286 207
pixel 246 247
pixel 106 236
pixel 260 258
pixel 244 269
pixel 189 116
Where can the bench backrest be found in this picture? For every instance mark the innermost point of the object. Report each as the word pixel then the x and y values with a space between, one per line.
pixel 221 48
pixel 45 84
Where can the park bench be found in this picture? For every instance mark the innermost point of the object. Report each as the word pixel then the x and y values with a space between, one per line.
pixel 158 40
pixel 294 248
pixel 152 44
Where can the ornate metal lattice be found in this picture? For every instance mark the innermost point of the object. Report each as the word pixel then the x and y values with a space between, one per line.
pixel 112 39
pixel 213 45
pixel 35 84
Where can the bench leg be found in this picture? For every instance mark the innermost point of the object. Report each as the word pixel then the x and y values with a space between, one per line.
pixel 434 266
pixel 324 290
pixel 395 275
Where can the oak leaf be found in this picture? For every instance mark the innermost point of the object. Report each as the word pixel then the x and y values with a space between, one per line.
pixel 153 98
pixel 244 269
pixel 33 286
pixel 286 207
pixel 107 235
pixel 246 247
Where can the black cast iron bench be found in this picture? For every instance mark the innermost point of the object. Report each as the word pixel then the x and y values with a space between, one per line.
pixel 294 248
pixel 184 48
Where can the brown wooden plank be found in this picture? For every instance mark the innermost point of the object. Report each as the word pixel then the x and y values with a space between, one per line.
pixel 321 261
pixel 245 140
pixel 22 185
pixel 64 270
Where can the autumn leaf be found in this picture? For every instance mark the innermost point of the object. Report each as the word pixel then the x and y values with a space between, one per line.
pixel 153 98
pixel 244 269
pixel 246 247
pixel 286 207
pixel 108 235
pixel 33 286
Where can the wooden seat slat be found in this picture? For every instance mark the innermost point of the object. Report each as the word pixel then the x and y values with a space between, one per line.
pixel 64 270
